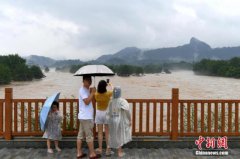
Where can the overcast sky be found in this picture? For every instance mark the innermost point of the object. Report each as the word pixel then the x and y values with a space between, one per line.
pixel 87 29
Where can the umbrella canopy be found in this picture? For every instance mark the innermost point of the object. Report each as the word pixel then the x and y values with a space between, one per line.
pixel 94 70
pixel 46 108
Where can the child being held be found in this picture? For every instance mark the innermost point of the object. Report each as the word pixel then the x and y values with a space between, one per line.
pixel 53 127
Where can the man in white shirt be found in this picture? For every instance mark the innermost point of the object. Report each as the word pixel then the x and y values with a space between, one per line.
pixel 85 116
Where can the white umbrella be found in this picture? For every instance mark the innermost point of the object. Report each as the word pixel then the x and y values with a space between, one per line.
pixel 94 70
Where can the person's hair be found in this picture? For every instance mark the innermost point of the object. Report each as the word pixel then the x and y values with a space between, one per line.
pixel 102 86
pixel 87 77
pixel 55 103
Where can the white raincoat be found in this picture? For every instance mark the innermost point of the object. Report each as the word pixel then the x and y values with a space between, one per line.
pixel 119 118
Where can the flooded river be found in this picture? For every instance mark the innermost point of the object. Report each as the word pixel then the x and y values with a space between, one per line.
pixel 149 86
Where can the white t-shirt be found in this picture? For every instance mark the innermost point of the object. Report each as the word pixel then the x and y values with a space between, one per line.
pixel 85 111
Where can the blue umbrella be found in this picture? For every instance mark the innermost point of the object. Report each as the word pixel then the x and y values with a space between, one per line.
pixel 46 108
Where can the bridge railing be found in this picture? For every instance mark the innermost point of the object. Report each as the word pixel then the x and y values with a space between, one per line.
pixel 150 117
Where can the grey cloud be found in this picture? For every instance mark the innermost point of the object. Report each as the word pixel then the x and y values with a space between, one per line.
pixel 108 26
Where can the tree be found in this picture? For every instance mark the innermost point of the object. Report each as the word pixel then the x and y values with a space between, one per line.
pixel 124 70
pixel 36 72
pixel 139 70
pixel 22 73
pixel 46 69
pixel 235 62
pixel 230 68
pixel 5 73
pixel 74 68
pixel 13 67
pixel 152 68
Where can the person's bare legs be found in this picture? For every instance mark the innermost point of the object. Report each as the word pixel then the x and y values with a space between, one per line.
pixel 91 149
pixel 120 152
pixel 108 150
pixel 56 145
pixel 100 137
pixel 79 147
pixel 49 146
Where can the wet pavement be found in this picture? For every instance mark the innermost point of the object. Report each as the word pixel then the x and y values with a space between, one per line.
pixel 70 153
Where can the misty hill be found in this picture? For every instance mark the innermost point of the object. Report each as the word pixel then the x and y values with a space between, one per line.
pixel 65 63
pixel 124 56
pixel 39 60
pixel 195 50
pixel 43 61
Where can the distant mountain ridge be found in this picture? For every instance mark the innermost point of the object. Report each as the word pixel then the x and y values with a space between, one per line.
pixel 124 56
pixel 195 50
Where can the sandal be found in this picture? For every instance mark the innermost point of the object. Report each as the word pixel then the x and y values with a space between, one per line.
pixel 98 151
pixel 81 156
pixel 109 152
pixel 58 149
pixel 95 157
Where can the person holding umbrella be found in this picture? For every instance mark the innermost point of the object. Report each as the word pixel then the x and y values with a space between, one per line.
pixel 53 127
pixel 85 116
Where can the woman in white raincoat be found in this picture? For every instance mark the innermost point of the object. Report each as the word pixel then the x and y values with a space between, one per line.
pixel 119 120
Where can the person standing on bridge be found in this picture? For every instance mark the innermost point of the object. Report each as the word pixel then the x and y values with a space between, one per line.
pixel 85 116
pixel 53 127
pixel 102 97
pixel 119 120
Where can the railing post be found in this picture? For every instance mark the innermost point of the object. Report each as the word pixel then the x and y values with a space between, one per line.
pixel 175 100
pixel 8 114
